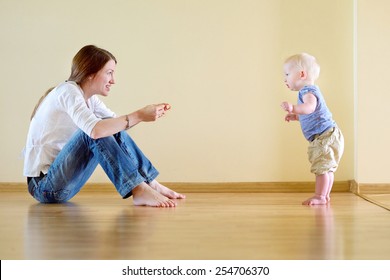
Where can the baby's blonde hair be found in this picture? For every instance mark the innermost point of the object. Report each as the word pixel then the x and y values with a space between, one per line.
pixel 306 62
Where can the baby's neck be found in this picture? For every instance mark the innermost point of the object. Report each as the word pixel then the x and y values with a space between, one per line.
pixel 306 83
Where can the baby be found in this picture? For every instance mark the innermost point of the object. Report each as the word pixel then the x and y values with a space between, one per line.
pixel 326 142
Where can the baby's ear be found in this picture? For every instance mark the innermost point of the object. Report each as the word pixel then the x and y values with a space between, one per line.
pixel 303 74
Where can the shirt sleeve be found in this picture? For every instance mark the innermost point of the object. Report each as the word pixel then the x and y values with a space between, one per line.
pixel 100 109
pixel 307 89
pixel 72 101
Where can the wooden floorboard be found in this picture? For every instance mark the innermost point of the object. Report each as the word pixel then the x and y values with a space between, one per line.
pixel 378 194
pixel 209 226
pixel 382 200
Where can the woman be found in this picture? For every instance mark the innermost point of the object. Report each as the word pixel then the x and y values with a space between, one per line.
pixel 72 131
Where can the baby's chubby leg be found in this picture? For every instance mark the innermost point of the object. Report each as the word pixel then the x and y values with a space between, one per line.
pixel 321 194
pixel 330 185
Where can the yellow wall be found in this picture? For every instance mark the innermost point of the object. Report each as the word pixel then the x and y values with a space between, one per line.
pixel 373 96
pixel 218 62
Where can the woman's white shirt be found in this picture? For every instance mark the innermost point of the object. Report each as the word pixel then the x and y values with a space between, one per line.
pixel 59 116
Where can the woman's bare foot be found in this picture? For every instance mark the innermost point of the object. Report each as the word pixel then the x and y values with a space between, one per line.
pixel 316 200
pixel 165 191
pixel 143 195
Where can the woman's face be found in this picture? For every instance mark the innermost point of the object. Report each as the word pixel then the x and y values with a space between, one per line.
pixel 104 79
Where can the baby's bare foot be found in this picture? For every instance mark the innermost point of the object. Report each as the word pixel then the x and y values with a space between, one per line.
pixel 165 191
pixel 316 200
pixel 143 195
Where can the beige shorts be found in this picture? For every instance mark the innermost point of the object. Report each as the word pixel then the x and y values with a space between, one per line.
pixel 325 151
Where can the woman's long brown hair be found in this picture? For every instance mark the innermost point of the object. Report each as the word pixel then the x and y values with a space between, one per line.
pixel 87 62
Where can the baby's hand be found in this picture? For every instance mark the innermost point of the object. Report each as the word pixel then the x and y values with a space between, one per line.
pixel 167 107
pixel 290 117
pixel 288 107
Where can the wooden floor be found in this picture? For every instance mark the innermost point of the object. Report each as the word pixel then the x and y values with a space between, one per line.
pixel 380 199
pixel 206 226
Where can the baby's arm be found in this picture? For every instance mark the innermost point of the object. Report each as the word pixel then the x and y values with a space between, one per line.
pixel 307 107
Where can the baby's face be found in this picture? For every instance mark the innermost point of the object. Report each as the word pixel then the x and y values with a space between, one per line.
pixel 292 76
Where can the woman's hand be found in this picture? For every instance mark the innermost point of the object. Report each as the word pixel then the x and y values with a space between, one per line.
pixel 110 126
pixel 153 112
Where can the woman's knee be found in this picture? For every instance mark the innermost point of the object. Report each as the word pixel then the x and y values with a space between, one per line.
pixel 46 196
pixel 56 197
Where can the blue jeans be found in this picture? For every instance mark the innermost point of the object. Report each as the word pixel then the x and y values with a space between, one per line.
pixel 123 162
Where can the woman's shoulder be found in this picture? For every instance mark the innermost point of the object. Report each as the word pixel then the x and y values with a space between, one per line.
pixel 68 89
pixel 68 85
pixel 68 94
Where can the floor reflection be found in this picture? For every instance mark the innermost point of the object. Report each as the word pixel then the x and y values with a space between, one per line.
pixel 325 243
pixel 72 231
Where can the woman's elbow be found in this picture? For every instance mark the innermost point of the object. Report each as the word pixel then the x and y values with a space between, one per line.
pixel 95 133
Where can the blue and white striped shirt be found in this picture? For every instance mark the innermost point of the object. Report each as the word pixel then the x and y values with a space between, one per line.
pixel 318 121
